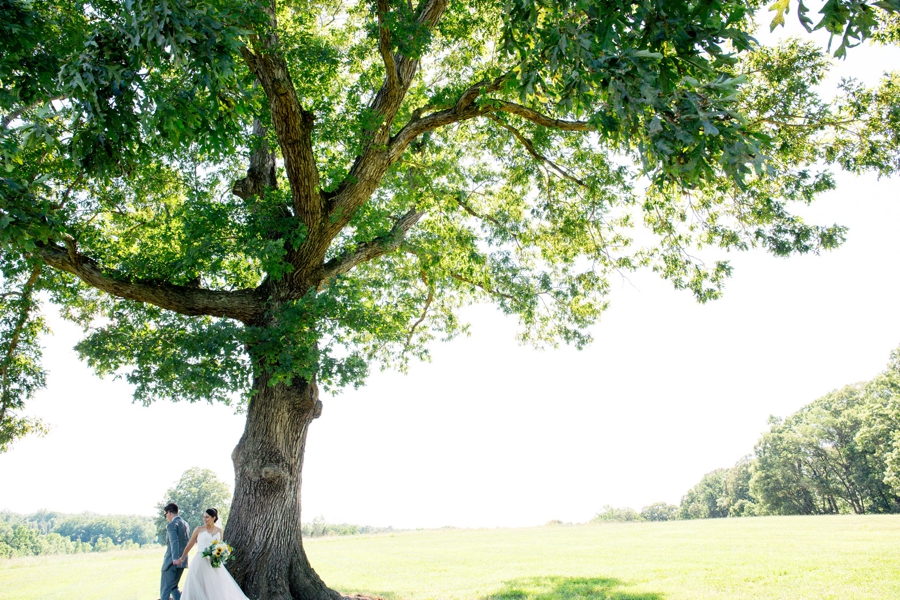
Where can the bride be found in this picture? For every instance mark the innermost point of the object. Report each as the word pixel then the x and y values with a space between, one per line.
pixel 204 581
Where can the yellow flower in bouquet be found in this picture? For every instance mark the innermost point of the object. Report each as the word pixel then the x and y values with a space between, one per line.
pixel 217 553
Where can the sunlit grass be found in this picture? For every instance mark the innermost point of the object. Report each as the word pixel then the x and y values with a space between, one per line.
pixel 796 558
pixel 845 557
pixel 118 575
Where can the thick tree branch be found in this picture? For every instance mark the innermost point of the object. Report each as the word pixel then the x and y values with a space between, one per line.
pixel 529 146
pixel 540 119
pixel 369 250
pixel 430 13
pixel 436 120
pixel 388 99
pixel 384 47
pixel 383 150
pixel 370 166
pixel 293 126
pixel 466 108
pixel 242 305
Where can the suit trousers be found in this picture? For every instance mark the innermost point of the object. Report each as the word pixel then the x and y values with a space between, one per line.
pixel 168 585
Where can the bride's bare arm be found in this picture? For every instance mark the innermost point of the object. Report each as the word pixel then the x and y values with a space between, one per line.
pixel 187 548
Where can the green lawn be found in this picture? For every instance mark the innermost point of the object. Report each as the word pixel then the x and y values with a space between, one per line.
pixel 796 558
pixel 124 575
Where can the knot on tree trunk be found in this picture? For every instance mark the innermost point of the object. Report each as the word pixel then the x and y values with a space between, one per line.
pixel 261 172
pixel 304 399
pixel 272 473
pixel 260 176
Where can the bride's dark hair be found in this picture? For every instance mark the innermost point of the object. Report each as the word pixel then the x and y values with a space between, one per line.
pixel 213 513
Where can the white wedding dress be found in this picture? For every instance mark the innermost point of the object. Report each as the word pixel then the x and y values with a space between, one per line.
pixel 205 582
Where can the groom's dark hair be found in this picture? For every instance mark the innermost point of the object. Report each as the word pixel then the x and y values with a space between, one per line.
pixel 172 508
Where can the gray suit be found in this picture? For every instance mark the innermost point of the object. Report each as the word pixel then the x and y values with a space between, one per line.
pixel 177 535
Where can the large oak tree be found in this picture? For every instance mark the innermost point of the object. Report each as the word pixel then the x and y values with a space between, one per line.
pixel 245 201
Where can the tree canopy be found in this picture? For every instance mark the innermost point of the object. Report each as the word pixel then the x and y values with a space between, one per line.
pixel 47 532
pixel 243 201
pixel 196 490
pixel 838 454
pixel 454 153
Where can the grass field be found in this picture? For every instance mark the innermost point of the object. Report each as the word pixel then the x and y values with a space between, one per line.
pixel 796 558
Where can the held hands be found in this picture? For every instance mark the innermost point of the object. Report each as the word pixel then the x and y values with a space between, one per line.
pixel 178 562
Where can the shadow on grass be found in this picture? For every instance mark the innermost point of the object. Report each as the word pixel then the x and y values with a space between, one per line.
pixel 372 596
pixel 568 588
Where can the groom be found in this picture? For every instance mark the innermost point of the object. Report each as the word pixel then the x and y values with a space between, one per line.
pixel 177 534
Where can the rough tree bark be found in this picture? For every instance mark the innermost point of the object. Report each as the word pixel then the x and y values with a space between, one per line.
pixel 264 524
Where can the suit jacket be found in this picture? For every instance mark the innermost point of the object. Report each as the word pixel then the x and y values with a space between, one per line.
pixel 177 536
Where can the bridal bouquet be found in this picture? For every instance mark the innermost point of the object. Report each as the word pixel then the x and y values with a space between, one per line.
pixel 217 553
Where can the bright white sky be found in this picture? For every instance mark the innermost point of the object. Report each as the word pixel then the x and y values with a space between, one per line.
pixel 494 434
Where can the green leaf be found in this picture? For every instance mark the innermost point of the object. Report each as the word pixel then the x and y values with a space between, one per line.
pixel 780 8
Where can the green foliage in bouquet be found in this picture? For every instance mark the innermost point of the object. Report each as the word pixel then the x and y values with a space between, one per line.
pixel 217 553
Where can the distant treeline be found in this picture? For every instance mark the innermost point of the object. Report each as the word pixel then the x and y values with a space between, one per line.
pixel 839 454
pixel 319 528
pixel 46 532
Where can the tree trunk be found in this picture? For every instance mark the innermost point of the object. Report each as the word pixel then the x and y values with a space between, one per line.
pixel 264 525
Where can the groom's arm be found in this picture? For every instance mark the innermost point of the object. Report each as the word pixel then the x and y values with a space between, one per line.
pixel 175 544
